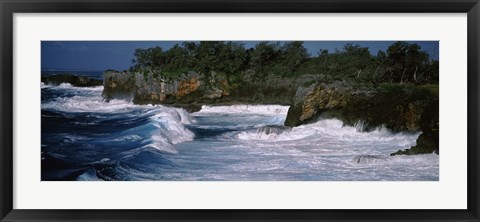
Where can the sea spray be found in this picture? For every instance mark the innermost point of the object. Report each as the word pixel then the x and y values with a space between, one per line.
pixel 166 125
pixel 329 128
pixel 244 109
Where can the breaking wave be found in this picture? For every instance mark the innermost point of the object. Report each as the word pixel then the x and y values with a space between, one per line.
pixel 164 127
pixel 264 133
pixel 246 109
pixel 327 129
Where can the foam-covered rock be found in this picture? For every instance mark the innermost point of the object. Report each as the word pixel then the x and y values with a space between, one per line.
pixel 397 107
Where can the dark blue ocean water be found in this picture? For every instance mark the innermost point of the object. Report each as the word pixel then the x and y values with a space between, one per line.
pixel 86 138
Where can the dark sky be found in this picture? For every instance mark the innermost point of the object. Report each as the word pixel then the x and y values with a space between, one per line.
pixel 102 55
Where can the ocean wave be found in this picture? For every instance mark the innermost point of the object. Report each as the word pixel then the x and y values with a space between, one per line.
pixel 43 85
pixel 85 103
pixel 263 133
pixel 177 114
pixel 409 160
pixel 270 110
pixel 369 159
pixel 127 138
pixel 70 87
pixel 328 129
pixel 60 86
pixel 165 125
pixel 170 124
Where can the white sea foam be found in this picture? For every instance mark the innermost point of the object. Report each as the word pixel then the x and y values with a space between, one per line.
pixel 94 88
pixel 82 103
pixel 86 99
pixel 330 129
pixel 271 110
pixel 89 175
pixel 369 159
pixel 68 86
pixel 128 138
pixel 65 85
pixel 73 138
pixel 395 160
pixel 329 146
pixel 175 113
pixel 161 145
pixel 43 85
pixel 257 136
pixel 270 133
pixel 170 122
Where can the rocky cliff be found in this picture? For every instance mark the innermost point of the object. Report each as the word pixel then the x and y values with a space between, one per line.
pixel 192 90
pixel 397 107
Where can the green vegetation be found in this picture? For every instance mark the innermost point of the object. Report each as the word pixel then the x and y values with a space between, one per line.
pixel 401 63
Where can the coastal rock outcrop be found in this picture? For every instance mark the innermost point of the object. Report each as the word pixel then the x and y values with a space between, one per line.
pixel 397 107
pixel 189 88
pixel 428 141
pixel 193 89
pixel 77 81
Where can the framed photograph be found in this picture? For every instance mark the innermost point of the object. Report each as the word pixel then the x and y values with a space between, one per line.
pixel 239 110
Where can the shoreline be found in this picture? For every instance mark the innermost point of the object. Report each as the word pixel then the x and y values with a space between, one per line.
pixel 400 107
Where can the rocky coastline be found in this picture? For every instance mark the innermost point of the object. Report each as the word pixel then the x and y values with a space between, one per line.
pixel 398 107
pixel 192 90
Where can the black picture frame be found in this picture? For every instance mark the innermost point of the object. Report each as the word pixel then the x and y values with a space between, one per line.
pixel 9 7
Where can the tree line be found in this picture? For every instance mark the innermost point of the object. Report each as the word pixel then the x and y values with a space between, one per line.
pixel 401 62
